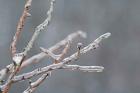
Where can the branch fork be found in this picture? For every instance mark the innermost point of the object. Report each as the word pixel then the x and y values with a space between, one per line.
pixel 58 61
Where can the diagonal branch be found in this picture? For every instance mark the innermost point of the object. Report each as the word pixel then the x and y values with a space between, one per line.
pixel 84 68
pixel 40 28
pixel 91 46
pixel 20 26
pixel 14 42
pixel 19 57
pixel 64 52
pixel 57 59
pixel 35 84
pixel 60 62
pixel 36 58
pixel 70 59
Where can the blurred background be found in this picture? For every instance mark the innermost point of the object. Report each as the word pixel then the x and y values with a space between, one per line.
pixel 120 54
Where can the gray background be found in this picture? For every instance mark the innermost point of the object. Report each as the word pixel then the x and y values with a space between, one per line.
pixel 120 54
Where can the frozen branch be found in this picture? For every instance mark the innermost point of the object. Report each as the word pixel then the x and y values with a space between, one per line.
pixel 35 59
pixel 35 84
pixel 64 52
pixel 59 61
pixel 84 68
pixel 72 58
pixel 20 26
pixel 41 27
pixel 91 46
pixel 17 59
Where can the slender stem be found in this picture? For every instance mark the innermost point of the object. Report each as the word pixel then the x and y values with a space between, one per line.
pixel 20 26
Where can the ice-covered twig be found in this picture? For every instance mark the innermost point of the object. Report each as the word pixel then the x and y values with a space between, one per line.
pixel 57 59
pixel 84 68
pixel 72 58
pixel 19 59
pixel 20 25
pixel 40 28
pixel 35 84
pixel 36 58
pixel 91 46
pixel 64 52
pixel 13 48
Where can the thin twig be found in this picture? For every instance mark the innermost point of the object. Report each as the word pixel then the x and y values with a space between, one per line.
pixel 60 62
pixel 20 26
pixel 59 57
pixel 40 28
pixel 14 42
pixel 64 52
pixel 36 58
pixel 91 46
pixel 72 58
pixel 84 68
pixel 19 59
pixel 35 84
